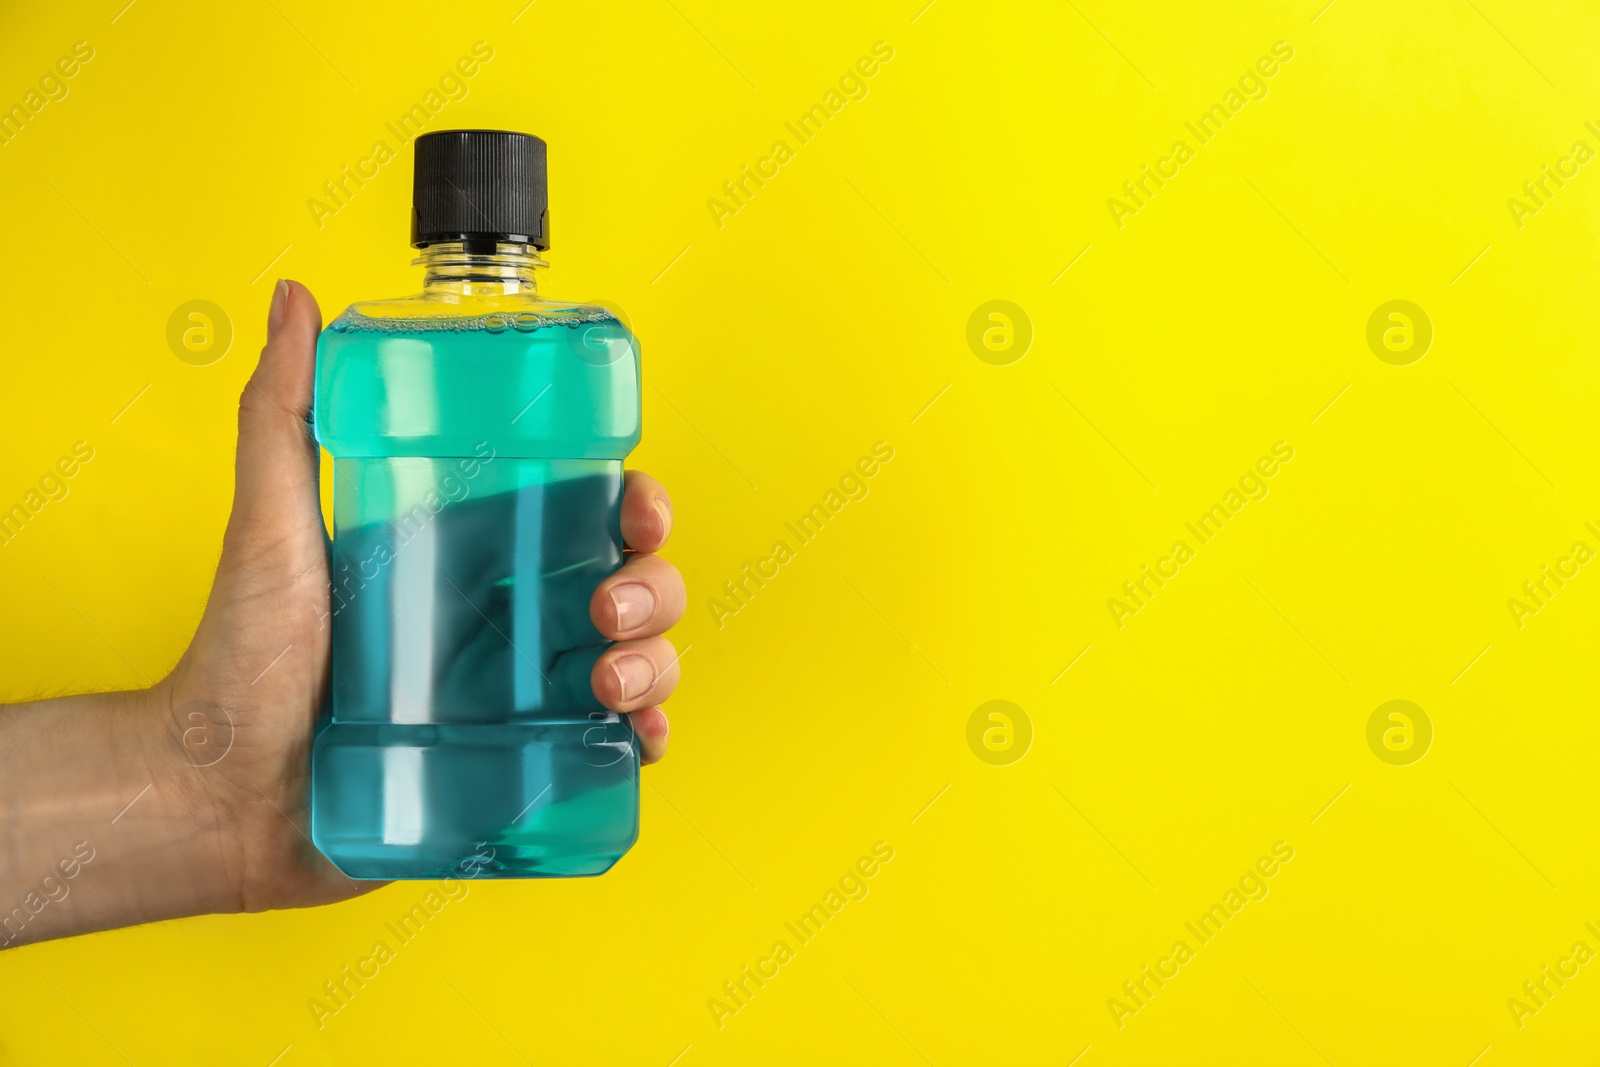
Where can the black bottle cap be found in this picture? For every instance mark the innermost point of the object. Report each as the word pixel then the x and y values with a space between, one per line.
pixel 479 187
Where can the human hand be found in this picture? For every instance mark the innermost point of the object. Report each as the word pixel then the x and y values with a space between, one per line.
pixel 231 828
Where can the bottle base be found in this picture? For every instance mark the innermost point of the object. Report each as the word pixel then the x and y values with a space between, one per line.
pixel 502 800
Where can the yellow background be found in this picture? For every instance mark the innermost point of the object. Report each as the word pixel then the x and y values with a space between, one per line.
pixel 823 317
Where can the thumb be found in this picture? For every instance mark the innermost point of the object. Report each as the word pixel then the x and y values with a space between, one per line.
pixel 275 476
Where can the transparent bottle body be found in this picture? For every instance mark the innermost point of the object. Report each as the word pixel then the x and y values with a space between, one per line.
pixel 477 433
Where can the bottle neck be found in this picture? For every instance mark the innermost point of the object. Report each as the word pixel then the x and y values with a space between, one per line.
pixel 455 269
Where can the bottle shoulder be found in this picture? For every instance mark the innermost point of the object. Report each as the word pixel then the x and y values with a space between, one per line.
pixel 453 310
pixel 428 376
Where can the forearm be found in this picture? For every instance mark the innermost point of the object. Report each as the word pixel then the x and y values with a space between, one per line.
pixel 98 823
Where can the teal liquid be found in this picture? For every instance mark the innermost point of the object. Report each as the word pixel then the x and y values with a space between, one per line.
pixel 477 488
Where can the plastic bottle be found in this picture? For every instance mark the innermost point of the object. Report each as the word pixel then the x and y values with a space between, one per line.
pixel 477 433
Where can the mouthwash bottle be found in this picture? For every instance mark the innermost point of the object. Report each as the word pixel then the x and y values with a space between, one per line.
pixel 477 431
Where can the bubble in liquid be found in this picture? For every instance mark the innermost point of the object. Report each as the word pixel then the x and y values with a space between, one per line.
pixel 494 322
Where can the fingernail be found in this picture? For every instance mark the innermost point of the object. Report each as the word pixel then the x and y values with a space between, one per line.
pixel 635 674
pixel 664 509
pixel 635 605
pixel 280 304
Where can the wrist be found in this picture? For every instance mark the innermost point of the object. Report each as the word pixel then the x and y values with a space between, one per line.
pixel 189 821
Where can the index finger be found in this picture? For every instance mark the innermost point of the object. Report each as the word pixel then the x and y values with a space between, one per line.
pixel 646 512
